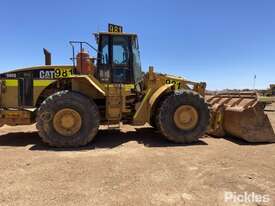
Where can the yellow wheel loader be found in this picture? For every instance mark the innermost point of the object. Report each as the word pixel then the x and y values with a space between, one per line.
pixel 68 103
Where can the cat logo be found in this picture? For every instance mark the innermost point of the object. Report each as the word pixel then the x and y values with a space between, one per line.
pixel 46 74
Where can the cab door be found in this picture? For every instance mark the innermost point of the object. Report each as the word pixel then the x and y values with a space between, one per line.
pixel 113 69
pixel 121 68
pixel 103 71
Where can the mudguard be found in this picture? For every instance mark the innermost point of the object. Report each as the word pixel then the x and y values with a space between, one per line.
pixel 143 113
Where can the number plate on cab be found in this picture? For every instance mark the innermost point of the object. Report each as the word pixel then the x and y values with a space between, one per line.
pixel 115 28
pixel 63 72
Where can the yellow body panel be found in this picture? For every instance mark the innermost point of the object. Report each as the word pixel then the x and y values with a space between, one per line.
pixel 141 116
pixel 11 83
pixel 16 117
pixel 42 83
pixel 9 98
pixel 87 86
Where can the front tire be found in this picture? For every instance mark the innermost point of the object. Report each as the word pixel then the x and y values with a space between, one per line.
pixel 183 116
pixel 67 119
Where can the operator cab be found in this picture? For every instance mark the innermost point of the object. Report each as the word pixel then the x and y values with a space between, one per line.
pixel 118 59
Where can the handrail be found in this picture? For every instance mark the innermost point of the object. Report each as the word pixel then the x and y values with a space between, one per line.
pixel 72 43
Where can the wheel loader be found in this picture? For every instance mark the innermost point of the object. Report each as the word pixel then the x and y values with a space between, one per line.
pixel 68 103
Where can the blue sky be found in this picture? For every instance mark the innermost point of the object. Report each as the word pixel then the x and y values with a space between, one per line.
pixel 222 42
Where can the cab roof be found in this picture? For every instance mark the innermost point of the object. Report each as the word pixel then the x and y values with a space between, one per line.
pixel 116 33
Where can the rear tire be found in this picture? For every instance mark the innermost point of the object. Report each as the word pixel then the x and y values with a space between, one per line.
pixel 199 120
pixel 81 123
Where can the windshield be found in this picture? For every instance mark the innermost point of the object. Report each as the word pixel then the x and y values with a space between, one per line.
pixel 136 60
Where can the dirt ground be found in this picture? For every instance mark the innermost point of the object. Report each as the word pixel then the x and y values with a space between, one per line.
pixel 131 168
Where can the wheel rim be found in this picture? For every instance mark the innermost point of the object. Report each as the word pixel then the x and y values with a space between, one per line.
pixel 186 117
pixel 67 122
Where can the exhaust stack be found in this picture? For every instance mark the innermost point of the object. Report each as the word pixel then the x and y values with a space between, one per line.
pixel 48 57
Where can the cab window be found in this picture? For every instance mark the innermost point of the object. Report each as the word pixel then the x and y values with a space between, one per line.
pixel 121 59
pixel 104 50
pixel 120 50
pixel 136 60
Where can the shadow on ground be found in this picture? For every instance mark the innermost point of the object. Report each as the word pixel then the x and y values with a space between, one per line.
pixel 104 139
pixel 239 141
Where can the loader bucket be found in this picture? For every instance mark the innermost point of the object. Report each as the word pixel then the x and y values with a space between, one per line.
pixel 241 115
